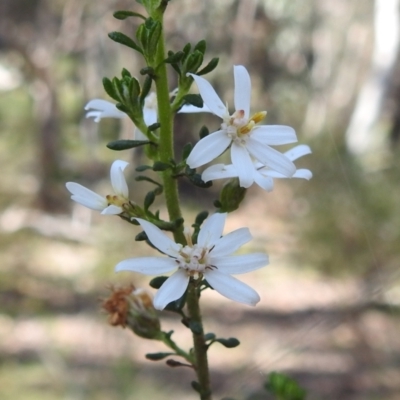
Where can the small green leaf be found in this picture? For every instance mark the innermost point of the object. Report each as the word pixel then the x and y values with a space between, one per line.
pixel 149 200
pixel 125 40
pixel 194 61
pixel 126 73
pixel 177 305
pixel 140 237
pixel 122 108
pixel 200 218
pixel 156 283
pixel 209 336
pixel 195 327
pixel 209 67
pixel 187 148
pixel 160 166
pixel 229 343
pixel 201 46
pixel 158 356
pixel 154 36
pixel 203 132
pixel 119 145
pixel 126 14
pixel 232 194
pixel 109 88
pixel 217 204
pixel 142 168
pixel 141 178
pixel 196 386
pixel 154 126
pixel 186 49
pixel 145 88
pixel 197 181
pixel 147 71
pixel 174 58
pixel 194 99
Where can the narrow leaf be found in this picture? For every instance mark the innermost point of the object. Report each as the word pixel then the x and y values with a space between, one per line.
pixel 174 58
pixel 195 327
pixel 156 283
pixel 109 88
pixel 197 181
pixel 229 343
pixel 209 67
pixel 158 356
pixel 149 200
pixel 201 46
pixel 126 14
pixel 125 40
pixel 140 237
pixel 126 144
pixel 160 166
pixel 194 99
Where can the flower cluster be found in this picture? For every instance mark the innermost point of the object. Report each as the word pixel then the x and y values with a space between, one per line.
pixel 253 160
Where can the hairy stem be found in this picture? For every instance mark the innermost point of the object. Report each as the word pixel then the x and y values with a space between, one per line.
pixel 200 346
pixel 166 144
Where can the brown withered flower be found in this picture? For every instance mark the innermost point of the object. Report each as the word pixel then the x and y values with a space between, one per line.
pixel 128 306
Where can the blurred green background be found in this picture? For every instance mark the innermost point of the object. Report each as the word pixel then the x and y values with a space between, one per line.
pixel 329 314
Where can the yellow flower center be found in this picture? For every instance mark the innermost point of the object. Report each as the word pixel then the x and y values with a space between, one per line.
pixel 113 199
pixel 238 127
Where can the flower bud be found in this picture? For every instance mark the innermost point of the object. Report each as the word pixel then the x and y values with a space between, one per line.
pixel 132 307
pixel 232 194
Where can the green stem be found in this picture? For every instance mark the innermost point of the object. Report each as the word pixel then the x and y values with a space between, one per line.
pixel 172 345
pixel 200 346
pixel 166 144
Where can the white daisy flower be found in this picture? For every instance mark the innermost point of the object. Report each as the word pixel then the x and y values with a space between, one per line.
pixel 239 131
pixel 211 257
pixel 111 204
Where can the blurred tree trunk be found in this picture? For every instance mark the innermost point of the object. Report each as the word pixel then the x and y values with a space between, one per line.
pixel 243 31
pixel 361 137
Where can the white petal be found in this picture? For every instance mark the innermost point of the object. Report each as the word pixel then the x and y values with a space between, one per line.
pixel 209 96
pixel 112 210
pixel 303 173
pixel 270 157
pixel 96 115
pixel 159 239
pixel 103 109
pixel 231 242
pixel 232 288
pixel 274 135
pixel 243 164
pixel 265 182
pixel 300 173
pixel 240 264
pixel 208 148
pixel 242 89
pixel 297 152
pixel 211 230
pixel 150 116
pixel 189 108
pixel 118 181
pixel 219 171
pixel 86 197
pixel 172 289
pixel 147 265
